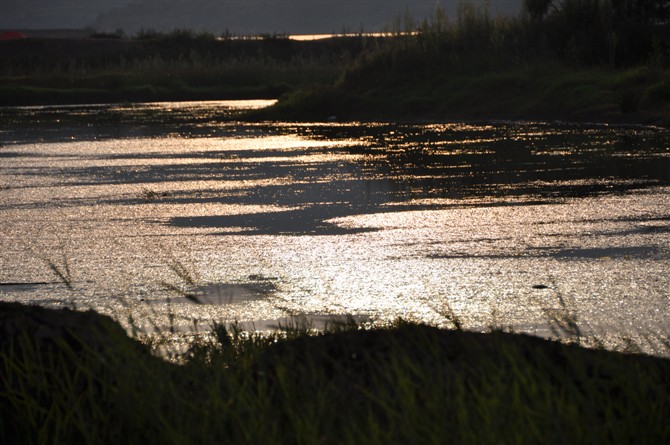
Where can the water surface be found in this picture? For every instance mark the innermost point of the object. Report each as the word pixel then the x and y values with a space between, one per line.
pixel 154 206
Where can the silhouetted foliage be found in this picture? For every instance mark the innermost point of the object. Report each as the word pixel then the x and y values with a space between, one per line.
pixel 537 9
pixel 646 11
pixel 188 64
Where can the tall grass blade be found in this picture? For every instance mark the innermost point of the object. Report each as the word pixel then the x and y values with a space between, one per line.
pixel 61 271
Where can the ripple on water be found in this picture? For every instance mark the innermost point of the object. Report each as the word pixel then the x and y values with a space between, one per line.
pixel 378 220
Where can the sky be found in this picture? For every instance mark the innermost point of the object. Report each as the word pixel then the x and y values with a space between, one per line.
pixel 218 16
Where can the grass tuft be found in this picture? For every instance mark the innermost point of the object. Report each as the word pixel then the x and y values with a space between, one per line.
pixel 61 270
pixel 187 287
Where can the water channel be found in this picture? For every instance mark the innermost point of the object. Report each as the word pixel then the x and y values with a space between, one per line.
pixel 179 214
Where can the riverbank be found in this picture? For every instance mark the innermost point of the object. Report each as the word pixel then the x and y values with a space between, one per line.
pixel 542 91
pixel 75 377
pixel 402 77
pixel 181 65
pixel 583 61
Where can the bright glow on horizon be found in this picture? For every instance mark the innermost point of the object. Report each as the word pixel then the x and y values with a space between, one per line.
pixel 310 37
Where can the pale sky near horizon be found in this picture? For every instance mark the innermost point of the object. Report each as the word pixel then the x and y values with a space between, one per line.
pixel 216 15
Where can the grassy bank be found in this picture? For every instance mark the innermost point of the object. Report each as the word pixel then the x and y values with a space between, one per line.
pixel 582 60
pixel 542 91
pixel 181 65
pixel 70 377
pixel 579 60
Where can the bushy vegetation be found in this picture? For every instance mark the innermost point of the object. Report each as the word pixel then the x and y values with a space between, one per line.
pixel 586 33
pixel 69 377
pixel 178 65
pixel 570 59
pixel 604 60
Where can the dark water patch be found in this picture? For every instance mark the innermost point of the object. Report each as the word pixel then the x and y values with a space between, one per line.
pixel 469 255
pixel 25 287
pixel 640 230
pixel 312 220
pixel 655 229
pixel 256 289
pixel 308 221
pixel 225 293
pixel 633 252
pixel 604 253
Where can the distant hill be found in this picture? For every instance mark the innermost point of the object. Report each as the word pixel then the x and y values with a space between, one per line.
pixel 218 16
pixel 53 14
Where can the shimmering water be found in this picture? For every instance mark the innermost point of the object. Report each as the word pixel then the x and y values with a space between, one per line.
pixel 153 206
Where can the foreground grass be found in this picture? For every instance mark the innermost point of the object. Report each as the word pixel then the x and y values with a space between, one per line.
pixel 69 377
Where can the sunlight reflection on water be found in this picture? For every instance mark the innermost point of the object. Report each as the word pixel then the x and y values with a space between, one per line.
pixel 378 220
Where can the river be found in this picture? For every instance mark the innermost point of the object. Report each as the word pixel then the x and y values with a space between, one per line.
pixel 175 215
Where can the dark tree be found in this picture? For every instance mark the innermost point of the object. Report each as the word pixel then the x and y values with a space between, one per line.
pixel 645 11
pixel 537 9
